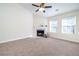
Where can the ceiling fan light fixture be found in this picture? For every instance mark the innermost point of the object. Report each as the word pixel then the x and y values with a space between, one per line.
pixel 41 9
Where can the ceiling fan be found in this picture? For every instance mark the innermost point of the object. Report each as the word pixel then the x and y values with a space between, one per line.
pixel 42 7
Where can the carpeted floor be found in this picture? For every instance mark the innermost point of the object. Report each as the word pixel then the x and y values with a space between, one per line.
pixel 39 47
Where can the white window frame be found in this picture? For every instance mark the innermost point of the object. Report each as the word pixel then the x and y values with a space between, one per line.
pixel 53 25
pixel 73 26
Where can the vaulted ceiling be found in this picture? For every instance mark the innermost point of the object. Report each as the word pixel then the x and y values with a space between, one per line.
pixel 57 8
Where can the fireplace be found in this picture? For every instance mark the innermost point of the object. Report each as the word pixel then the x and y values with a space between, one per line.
pixel 40 33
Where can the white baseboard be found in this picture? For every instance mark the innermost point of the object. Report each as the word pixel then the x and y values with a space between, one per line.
pixel 16 39
pixel 75 41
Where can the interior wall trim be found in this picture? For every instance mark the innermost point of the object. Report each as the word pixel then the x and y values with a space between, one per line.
pixel 16 39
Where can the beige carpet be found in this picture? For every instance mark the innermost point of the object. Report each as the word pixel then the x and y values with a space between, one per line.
pixel 39 47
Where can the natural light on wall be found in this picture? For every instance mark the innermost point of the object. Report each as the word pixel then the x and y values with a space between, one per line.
pixel 69 25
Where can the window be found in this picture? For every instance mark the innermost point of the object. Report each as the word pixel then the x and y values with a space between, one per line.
pixel 68 25
pixel 53 25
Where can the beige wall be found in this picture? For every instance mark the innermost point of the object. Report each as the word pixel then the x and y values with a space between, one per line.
pixel 16 22
pixel 71 37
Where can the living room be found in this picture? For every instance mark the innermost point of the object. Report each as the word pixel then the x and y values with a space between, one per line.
pixel 26 30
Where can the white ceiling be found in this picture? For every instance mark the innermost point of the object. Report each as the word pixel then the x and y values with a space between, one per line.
pixel 62 8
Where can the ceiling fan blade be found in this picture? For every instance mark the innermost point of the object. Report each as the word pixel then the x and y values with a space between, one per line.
pixel 35 5
pixel 42 4
pixel 48 7
pixel 37 10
